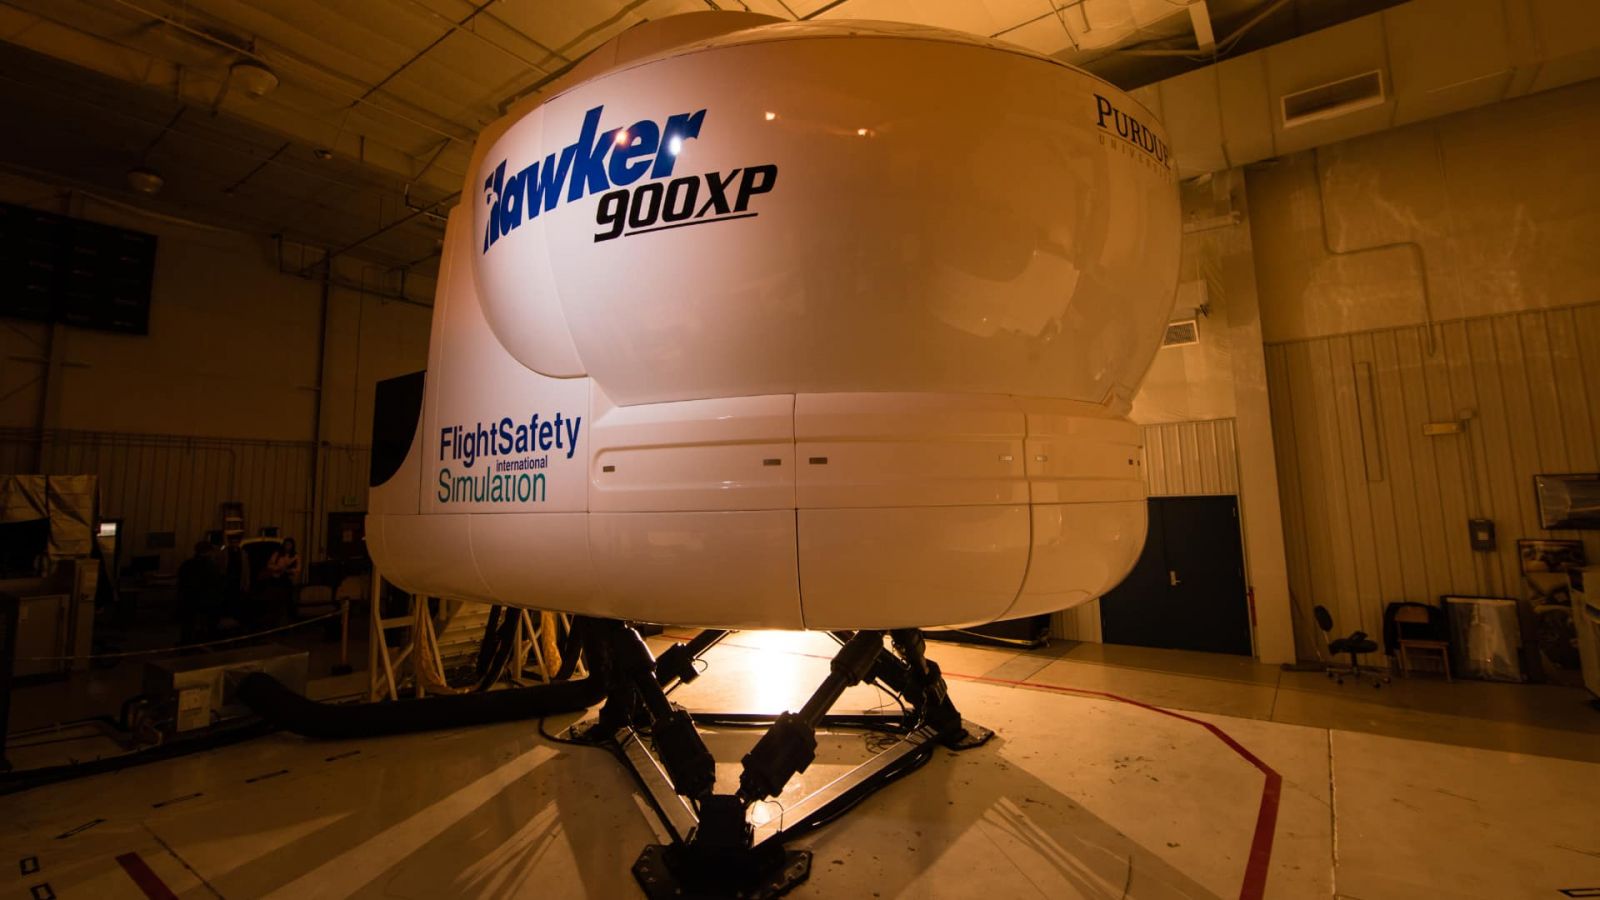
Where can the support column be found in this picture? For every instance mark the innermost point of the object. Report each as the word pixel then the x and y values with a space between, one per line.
pixel 1260 511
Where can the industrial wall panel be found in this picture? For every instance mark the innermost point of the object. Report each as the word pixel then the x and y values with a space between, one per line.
pixel 1190 458
pixel 171 483
pixel 1376 511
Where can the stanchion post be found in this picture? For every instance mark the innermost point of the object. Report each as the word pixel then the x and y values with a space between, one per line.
pixel 343 668
pixel 374 600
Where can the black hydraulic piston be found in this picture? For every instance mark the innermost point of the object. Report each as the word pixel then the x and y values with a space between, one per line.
pixel 790 745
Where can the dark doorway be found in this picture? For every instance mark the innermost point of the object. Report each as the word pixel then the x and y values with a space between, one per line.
pixel 1187 591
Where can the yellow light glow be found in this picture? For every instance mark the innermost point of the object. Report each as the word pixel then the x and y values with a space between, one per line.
pixel 783 683
pixel 771 116
pixel 861 131
pixel 765 811
pixel 622 136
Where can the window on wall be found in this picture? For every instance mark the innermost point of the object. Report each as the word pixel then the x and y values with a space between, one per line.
pixel 55 268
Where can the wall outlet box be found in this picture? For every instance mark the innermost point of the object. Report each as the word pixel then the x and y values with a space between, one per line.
pixel 1481 532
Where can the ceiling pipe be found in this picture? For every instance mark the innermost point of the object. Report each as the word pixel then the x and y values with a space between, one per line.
pixel 450 198
pixel 316 272
pixel 421 53
pixel 271 157
pixel 251 54
pixel 472 33
pixel 405 195
pixel 1222 47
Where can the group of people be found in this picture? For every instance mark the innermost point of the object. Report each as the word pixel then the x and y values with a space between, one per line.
pixel 218 582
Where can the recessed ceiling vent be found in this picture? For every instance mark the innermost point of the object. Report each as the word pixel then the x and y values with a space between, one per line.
pixel 1336 98
pixel 1181 333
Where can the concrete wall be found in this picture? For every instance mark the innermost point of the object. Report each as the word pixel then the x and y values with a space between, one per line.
pixel 1322 277
pixel 1221 379
pixel 1439 272
pixel 232 358
pixel 1475 214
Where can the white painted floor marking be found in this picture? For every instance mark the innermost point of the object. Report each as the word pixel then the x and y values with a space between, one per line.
pixel 502 870
pixel 357 867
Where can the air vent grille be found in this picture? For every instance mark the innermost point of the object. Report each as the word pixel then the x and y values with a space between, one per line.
pixel 1181 333
pixel 1336 98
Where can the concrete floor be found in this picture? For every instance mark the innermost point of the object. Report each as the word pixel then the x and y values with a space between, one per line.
pixel 1420 789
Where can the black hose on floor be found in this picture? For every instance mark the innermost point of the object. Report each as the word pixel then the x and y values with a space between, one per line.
pixel 284 708
pixel 213 738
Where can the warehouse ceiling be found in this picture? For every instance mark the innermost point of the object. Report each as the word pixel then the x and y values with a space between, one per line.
pixel 367 133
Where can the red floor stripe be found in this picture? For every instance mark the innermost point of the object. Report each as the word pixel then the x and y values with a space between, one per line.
pixel 147 880
pixel 1255 870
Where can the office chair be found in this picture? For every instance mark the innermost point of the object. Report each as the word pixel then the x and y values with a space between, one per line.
pixel 1355 643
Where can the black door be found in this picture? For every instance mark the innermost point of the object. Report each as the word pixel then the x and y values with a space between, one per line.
pixel 1187 591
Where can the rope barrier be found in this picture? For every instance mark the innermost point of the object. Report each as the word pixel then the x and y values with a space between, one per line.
pixel 160 650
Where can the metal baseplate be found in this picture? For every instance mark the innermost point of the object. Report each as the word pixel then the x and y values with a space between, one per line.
pixel 714 850
pixel 659 878
pixel 970 736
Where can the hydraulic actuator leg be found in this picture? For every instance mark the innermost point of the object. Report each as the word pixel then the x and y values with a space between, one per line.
pixel 635 698
pixel 716 851
pixel 790 744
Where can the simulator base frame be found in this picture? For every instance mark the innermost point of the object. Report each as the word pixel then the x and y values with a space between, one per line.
pixel 715 851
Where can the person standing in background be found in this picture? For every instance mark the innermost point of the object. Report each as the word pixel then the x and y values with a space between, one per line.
pixel 199 595
pixel 278 580
pixel 236 580
pixel 285 562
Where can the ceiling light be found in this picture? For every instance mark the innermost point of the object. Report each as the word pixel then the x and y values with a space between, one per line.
pixel 861 132
pixel 145 181
pixel 675 145
pixel 253 78
pixel 771 116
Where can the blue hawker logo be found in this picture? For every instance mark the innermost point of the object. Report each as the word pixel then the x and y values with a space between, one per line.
pixel 599 161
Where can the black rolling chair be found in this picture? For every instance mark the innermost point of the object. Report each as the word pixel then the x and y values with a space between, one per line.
pixel 1355 643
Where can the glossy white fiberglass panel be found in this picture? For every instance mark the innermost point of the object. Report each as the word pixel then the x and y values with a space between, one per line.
pixel 725 569
pixel 894 450
pixel 535 560
pixel 497 437
pixel 429 555
pixel 893 266
pixel 1080 551
pixel 981 234
pixel 908 567
pixel 723 454
pixel 1081 455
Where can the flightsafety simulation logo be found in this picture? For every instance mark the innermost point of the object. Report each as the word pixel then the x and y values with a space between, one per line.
pixel 515 453
pixel 631 168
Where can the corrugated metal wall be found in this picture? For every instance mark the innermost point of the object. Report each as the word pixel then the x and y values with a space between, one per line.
pixel 168 483
pixel 1374 510
pixel 1191 458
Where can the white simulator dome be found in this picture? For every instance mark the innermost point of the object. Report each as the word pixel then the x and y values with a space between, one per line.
pixel 825 325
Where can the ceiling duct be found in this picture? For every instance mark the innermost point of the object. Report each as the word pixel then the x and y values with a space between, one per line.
pixel 1336 98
